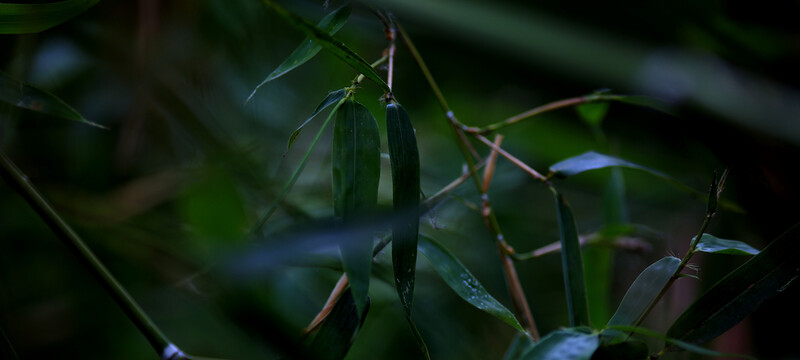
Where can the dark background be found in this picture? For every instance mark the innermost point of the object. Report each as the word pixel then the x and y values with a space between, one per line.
pixel 185 168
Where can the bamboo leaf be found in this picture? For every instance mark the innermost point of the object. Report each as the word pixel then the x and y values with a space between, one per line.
pixel 682 344
pixel 458 278
pixel 331 44
pixel 20 94
pixel 710 244
pixel 356 173
pixel 338 332
pixel 404 158
pixel 330 24
pixel 645 101
pixel 742 291
pixel 572 264
pixel 33 18
pixel 332 98
pixel 564 344
pixel 591 161
pixel 643 292
pixel 418 337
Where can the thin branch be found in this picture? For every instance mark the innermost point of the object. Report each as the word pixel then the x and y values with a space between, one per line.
pixel 531 113
pixel 536 175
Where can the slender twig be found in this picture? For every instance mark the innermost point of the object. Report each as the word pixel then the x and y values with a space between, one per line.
pixel 488 173
pixel 337 291
pixel 20 183
pixel 536 175
pixel 530 113
pixel 515 288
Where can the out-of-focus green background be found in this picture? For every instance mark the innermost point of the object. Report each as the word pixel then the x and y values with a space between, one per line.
pixel 185 168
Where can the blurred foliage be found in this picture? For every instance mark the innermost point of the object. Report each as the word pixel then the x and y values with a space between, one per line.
pixel 166 194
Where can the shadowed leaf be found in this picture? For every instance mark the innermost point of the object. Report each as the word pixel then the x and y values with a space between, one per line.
pixel 356 172
pixel 742 291
pixel 330 24
pixel 33 18
pixel 591 161
pixel 458 278
pixel 519 346
pixel 593 113
pixel 710 244
pixel 20 94
pixel 681 344
pixel 572 264
pixel 643 292
pixel 338 332
pixel 331 44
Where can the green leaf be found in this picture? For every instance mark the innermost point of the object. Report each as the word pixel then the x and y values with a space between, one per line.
pixel 643 292
pixel 572 264
pixel 593 113
pixel 710 244
pixel 742 291
pixel 338 332
pixel 331 44
pixel 591 161
pixel 521 343
pixel 682 344
pixel 20 94
pixel 645 101
pixel 330 24
pixel 418 337
pixel 404 158
pixel 356 166
pixel 563 345
pixel 458 278
pixel 33 18
pixel 332 98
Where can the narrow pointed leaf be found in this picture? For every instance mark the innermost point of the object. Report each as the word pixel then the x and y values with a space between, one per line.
pixel 420 341
pixel 329 43
pixel 643 292
pixel 676 342
pixel 591 161
pixel 332 98
pixel 458 278
pixel 33 18
pixel 404 158
pixel 356 173
pixel 338 332
pixel 572 264
pixel 564 344
pixel 710 244
pixel 741 292
pixel 645 101
pixel 20 94
pixel 330 24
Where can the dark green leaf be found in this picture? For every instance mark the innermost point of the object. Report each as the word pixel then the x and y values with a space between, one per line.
pixel 458 278
pixel 521 343
pixel 331 44
pixel 593 113
pixel 338 332
pixel 33 18
pixel 332 98
pixel 591 161
pixel 645 101
pixel 710 244
pixel 404 158
pixel 681 344
pixel 572 264
pixel 418 337
pixel 742 291
pixel 628 350
pixel 562 345
pixel 22 95
pixel 330 24
pixel 356 173
pixel 644 291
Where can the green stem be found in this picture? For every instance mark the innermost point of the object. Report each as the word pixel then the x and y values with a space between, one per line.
pixel 20 183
